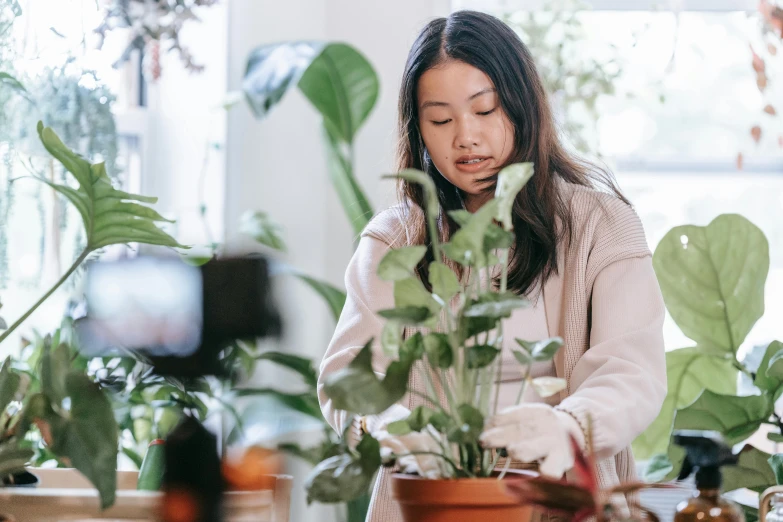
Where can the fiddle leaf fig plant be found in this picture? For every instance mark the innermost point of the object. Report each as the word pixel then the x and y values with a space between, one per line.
pixel 712 279
pixel 110 216
pixel 341 84
pixel 449 336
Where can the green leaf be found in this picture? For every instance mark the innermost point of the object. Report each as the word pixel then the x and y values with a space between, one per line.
pixel 769 375
pixel 55 367
pixel 410 292
pixel 333 296
pixel 260 227
pixel 391 339
pixel 658 468
pixel 407 315
pixel 776 463
pixel 470 426
pixel 510 181
pixel 273 69
pixel 110 216
pixel 712 279
pixel 312 455
pixel 466 245
pixel 343 86
pixel 9 385
pixel 399 263
pixel 337 479
pixel 438 350
pixel 775 437
pixel 690 371
pixel 339 164
pixel 494 237
pixel 89 438
pixel 413 347
pixel 548 386
pixel 523 356
pixel 357 389
pixel 443 280
pixel 400 427
pixel 737 418
pixel 495 305
pixel 431 205
pixel 442 422
pixel 133 456
pixel 358 508
pixel 9 81
pixel 481 355
pixel 541 351
pixel 301 365
pixel 12 457
pixel 370 453
pixel 753 471
pixel 306 403
pixel 420 417
pixel 476 325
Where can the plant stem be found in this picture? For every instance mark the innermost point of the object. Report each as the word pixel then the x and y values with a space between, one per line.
pixel 426 397
pixel 524 385
pixel 32 309
pixel 505 468
pixel 495 461
pixel 444 457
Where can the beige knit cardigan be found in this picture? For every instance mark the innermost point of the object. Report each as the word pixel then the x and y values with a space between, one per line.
pixel 604 301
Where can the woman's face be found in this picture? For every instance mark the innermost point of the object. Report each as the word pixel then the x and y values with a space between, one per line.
pixel 465 130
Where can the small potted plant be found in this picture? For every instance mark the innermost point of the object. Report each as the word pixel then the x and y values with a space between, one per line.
pixel 449 337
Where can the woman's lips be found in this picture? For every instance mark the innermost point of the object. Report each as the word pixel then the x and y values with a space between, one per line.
pixel 472 164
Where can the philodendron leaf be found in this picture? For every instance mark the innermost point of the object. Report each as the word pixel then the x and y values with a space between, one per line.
pixel 110 216
pixel 548 386
pixel 420 417
pixel 400 427
pixel 753 471
pixel 466 245
pixel 89 438
pixel 333 296
pixel 471 423
pixel 510 181
pixel 539 351
pixel 712 279
pixel 410 292
pixel 260 227
pixel 776 463
pixel 494 237
pixel 357 389
pixel 496 305
pixel 301 365
pixel 370 452
pixel 769 375
pixel 399 263
pixel 337 479
pixel 13 458
pixel 476 325
pixel 444 281
pixel 481 355
pixel 689 371
pixel 428 186
pixel 9 384
pixel 413 347
pixel 407 315
pixel 391 339
pixel 438 350
pixel 737 418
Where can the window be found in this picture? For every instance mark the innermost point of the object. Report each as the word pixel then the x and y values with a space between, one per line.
pixel 681 116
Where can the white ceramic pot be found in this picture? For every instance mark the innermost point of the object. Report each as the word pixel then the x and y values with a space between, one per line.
pixel 64 494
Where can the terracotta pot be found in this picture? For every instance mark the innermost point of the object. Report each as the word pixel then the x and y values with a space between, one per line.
pixel 458 500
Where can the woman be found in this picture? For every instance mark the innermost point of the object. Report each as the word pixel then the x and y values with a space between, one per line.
pixel 471 103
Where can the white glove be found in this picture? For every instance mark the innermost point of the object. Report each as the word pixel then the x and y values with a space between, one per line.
pixel 533 432
pixel 427 466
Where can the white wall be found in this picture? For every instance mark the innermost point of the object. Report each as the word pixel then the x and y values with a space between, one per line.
pixel 278 165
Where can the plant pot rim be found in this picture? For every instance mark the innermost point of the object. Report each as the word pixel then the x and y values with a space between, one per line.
pixel 471 491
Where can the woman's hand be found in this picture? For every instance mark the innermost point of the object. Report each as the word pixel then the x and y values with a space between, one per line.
pixel 535 432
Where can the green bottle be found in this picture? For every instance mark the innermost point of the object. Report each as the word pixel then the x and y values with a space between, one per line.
pixel 151 472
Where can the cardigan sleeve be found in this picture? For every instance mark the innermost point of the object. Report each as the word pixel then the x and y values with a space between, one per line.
pixel 366 293
pixel 619 383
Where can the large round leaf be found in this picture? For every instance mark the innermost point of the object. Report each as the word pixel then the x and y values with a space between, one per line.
pixel 737 418
pixel 690 371
pixel 713 278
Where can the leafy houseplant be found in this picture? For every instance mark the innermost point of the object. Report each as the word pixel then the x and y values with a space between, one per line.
pixel 454 348
pixel 70 408
pixel 713 279
pixel 340 83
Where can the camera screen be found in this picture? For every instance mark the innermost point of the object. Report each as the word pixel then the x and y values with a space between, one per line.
pixel 148 304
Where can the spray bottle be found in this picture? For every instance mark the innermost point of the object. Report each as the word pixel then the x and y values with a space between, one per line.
pixel 705 453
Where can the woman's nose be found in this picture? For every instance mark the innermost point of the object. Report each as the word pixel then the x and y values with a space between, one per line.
pixel 467 136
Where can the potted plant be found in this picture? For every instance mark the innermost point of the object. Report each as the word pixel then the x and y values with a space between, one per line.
pixel 447 337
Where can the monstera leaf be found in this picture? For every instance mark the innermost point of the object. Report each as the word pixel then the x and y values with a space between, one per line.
pixel 340 83
pixel 712 279
pixel 110 216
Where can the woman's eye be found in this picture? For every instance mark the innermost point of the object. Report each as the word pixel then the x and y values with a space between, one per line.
pixel 487 113
pixel 444 122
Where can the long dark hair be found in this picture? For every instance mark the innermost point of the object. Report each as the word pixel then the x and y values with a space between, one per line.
pixel 490 45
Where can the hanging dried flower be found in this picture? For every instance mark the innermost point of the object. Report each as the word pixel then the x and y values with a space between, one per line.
pixel 740 159
pixel 153 23
pixel 769 109
pixel 755 133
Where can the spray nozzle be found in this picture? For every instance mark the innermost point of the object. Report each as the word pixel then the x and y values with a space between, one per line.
pixel 705 453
